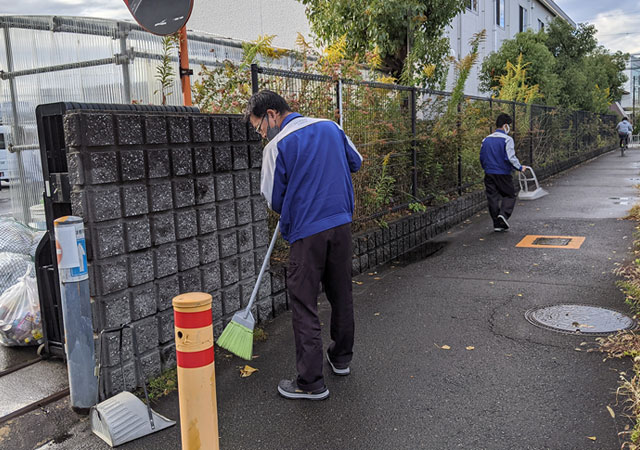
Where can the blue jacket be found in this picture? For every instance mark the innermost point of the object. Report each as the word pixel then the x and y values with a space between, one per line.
pixel 498 154
pixel 306 176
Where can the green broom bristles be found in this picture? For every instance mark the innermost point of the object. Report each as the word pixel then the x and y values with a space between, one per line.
pixel 238 339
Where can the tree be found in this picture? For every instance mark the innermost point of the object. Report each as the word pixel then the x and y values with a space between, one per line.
pixel 535 55
pixel 590 77
pixel 408 34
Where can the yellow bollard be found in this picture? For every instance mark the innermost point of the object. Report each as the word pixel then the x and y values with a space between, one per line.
pixel 196 371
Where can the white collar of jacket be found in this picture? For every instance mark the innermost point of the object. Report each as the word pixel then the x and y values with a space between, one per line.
pixel 270 153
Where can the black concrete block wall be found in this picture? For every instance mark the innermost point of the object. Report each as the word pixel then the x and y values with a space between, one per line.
pixel 171 204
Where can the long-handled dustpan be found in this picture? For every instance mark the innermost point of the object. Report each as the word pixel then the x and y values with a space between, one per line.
pixel 124 417
pixel 525 192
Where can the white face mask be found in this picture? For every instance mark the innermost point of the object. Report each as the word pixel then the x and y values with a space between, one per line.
pixel 507 128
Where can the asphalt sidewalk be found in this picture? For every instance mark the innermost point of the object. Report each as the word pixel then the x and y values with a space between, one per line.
pixel 501 383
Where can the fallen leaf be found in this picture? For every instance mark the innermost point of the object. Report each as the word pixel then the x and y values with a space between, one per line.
pixel 506 271
pixel 359 283
pixel 445 347
pixel 376 314
pixel 247 371
pixel 613 415
pixel 491 282
pixel 536 264
pixel 593 438
pixel 471 347
pixel 370 273
pixel 481 239
pixel 377 278
pixel 519 295
pixel 578 349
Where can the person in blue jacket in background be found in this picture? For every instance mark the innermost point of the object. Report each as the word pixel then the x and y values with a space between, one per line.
pixel 498 159
pixel 306 178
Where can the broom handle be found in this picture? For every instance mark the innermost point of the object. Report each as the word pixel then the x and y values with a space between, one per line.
pixel 254 294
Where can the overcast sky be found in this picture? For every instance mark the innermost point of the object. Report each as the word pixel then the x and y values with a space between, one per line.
pixel 618 22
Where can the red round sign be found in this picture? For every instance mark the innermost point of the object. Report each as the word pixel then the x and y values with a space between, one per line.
pixel 162 17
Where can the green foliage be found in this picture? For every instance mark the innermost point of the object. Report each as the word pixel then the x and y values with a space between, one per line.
pixel 463 68
pixel 161 386
pixel 590 77
pixel 513 84
pixel 227 88
pixel 383 186
pixel 417 207
pixel 165 73
pixel 536 56
pixel 408 33
pixel 567 64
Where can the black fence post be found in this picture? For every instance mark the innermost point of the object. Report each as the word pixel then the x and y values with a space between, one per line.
pixel 254 78
pixel 458 124
pixel 414 150
pixel 531 136
pixel 339 101
pixel 491 119
pixel 575 128
pixel 514 118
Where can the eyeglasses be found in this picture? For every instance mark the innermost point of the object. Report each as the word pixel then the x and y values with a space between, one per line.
pixel 260 125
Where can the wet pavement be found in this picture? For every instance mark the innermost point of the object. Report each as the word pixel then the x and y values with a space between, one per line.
pixel 444 356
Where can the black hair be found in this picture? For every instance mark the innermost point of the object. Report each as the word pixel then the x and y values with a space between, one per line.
pixel 263 100
pixel 625 118
pixel 503 119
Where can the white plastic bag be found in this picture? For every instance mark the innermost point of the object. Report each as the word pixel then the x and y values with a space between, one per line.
pixel 20 321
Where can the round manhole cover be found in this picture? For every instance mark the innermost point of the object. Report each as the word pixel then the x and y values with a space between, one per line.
pixel 580 319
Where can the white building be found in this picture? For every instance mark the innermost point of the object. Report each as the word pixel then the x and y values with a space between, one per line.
pixel 502 19
pixel 285 18
pixel 633 84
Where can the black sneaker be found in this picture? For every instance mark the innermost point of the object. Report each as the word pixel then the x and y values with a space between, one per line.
pixel 338 369
pixel 502 221
pixel 289 389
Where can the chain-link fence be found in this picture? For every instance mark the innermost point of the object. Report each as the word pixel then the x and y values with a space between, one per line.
pixel 45 59
pixel 420 147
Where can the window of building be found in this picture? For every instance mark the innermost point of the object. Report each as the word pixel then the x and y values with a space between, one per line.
pixel 523 19
pixel 472 5
pixel 2 145
pixel 540 25
pixel 500 13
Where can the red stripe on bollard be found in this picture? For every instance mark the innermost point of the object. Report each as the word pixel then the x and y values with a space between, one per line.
pixel 193 360
pixel 193 320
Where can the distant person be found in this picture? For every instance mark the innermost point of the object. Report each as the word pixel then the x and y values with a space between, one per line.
pixel 306 178
pixel 498 159
pixel 625 129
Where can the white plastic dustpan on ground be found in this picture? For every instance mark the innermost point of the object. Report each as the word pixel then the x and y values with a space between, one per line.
pixel 124 417
pixel 525 192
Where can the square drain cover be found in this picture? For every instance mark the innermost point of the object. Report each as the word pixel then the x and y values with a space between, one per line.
pixel 536 241
pixel 551 241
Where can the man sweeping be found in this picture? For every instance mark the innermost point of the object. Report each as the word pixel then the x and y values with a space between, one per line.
pixel 306 178
pixel 498 159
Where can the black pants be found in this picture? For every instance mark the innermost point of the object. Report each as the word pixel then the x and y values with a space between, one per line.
pixel 501 196
pixel 624 139
pixel 323 257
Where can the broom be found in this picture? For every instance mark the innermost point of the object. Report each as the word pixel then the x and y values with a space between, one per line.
pixel 237 336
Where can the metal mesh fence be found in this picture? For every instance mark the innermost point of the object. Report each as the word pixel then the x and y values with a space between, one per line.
pixel 419 147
